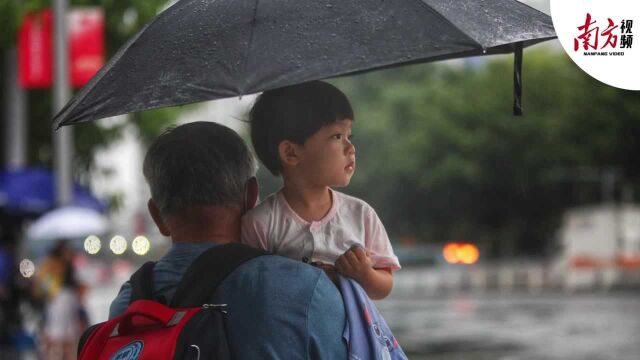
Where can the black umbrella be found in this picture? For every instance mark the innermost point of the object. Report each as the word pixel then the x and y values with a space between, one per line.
pixel 208 49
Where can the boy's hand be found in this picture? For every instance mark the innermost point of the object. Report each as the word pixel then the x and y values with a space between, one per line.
pixel 355 263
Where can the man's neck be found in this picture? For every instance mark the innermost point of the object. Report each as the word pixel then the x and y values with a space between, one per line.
pixel 206 224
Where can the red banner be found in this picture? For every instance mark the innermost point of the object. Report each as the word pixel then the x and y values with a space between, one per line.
pixel 86 47
pixel 35 51
pixel 86 44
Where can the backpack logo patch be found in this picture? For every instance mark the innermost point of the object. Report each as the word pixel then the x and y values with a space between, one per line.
pixel 129 352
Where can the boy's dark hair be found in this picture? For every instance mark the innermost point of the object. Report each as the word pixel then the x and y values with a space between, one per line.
pixel 294 113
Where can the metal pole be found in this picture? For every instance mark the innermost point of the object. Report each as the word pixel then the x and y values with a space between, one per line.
pixel 63 138
pixel 16 118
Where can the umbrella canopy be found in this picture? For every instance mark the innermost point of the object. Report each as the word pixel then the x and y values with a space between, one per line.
pixel 208 49
pixel 32 191
pixel 69 222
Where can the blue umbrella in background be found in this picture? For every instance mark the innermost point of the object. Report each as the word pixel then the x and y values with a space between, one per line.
pixel 32 190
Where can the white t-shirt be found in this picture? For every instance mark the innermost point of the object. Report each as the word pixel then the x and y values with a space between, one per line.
pixel 275 227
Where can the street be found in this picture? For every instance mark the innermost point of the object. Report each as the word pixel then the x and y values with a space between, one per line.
pixel 517 326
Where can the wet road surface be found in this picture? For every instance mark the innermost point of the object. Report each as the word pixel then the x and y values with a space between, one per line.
pixel 517 326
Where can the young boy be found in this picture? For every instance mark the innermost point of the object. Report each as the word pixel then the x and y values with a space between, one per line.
pixel 303 133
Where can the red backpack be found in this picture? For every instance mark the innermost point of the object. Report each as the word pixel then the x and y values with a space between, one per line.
pixel 186 328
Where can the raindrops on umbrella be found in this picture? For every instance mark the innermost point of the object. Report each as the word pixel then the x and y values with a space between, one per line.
pixel 228 48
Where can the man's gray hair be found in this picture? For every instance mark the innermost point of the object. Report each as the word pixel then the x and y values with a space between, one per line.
pixel 198 164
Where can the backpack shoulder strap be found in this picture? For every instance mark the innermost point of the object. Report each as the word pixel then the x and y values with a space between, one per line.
pixel 210 268
pixel 142 283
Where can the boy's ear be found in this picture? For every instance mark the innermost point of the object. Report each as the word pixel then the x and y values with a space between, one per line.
pixel 157 218
pixel 289 153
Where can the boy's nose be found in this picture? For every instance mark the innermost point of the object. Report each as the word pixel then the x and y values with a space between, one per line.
pixel 350 148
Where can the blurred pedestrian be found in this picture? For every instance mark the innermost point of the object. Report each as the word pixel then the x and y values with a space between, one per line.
pixel 63 311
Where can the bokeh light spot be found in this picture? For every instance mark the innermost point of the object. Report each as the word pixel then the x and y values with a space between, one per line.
pixel 140 245
pixel 461 253
pixel 27 268
pixel 92 244
pixel 118 245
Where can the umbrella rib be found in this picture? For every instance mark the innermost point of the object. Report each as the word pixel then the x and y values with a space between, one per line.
pixel 248 51
pixel 429 7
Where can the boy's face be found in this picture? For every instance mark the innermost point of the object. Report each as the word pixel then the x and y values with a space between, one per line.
pixel 328 158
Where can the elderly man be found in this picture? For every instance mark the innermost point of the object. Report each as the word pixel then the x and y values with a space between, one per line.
pixel 201 177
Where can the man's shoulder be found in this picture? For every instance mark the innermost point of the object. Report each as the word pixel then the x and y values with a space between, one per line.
pixel 273 281
pixel 274 266
pixel 288 310
pixel 269 273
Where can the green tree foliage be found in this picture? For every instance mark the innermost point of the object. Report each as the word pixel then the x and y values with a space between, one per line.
pixel 441 157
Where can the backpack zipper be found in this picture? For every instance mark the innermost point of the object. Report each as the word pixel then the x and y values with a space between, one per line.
pixel 219 307
pixel 214 306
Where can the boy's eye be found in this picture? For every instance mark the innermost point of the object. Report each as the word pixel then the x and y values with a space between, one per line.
pixel 340 136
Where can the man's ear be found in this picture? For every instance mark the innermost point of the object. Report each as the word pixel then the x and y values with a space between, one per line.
pixel 252 192
pixel 157 218
pixel 289 153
